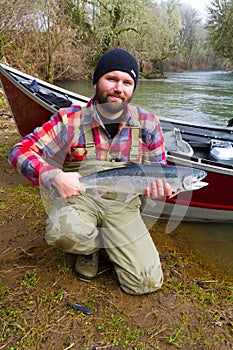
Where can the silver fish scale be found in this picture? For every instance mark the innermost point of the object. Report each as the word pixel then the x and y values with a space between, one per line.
pixel 155 171
pixel 136 178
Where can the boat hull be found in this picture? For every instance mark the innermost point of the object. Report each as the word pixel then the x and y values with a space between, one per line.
pixel 211 203
pixel 28 108
pixel 189 213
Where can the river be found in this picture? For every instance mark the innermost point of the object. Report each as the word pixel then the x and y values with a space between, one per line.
pixel 201 98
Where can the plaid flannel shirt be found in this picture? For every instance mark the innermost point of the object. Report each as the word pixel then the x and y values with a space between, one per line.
pixel 62 140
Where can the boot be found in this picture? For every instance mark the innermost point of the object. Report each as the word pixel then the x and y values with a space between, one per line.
pixel 87 265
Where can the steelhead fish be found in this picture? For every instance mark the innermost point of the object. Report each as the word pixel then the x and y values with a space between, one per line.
pixel 134 178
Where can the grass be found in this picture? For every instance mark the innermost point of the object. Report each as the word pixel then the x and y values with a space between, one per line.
pixel 37 281
pixel 3 102
pixel 34 311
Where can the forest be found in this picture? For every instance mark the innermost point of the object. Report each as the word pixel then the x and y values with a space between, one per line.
pixel 62 39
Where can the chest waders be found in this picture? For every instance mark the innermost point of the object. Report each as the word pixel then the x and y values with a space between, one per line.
pixel 107 161
pixel 83 224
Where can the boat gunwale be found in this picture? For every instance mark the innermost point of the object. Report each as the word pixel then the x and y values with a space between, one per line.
pixel 9 71
pixel 201 163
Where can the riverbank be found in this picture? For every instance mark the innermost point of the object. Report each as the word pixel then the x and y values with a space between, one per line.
pixel 193 310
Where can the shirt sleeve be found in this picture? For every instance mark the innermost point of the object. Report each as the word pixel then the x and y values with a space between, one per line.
pixel 39 156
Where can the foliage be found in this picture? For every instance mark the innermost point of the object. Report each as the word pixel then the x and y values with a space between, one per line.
pixel 58 39
pixel 220 26
pixel 190 34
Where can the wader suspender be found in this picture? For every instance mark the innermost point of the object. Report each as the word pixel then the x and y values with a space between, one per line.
pixel 135 136
pixel 89 141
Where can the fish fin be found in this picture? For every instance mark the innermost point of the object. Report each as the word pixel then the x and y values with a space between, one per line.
pixel 130 197
pixel 99 193
pixel 174 194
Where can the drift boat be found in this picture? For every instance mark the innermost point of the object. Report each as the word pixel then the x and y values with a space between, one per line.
pixel 210 148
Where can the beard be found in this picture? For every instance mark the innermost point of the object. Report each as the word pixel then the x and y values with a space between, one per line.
pixel 108 105
pixel 112 107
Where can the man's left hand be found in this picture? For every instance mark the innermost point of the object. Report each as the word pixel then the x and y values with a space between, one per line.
pixel 159 189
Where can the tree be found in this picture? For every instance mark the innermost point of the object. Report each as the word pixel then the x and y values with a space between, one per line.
pixel 220 27
pixel 157 35
pixel 112 20
pixel 11 26
pixel 190 34
pixel 51 35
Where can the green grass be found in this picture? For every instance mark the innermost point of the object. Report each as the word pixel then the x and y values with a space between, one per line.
pixel 193 310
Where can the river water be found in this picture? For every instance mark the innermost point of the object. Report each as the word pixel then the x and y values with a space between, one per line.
pixel 201 98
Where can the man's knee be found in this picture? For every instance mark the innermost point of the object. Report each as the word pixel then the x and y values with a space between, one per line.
pixel 147 281
pixel 73 237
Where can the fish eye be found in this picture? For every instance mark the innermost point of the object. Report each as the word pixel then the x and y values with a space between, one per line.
pixel 201 175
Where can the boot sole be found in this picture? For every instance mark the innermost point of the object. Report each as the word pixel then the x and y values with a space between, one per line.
pixel 85 278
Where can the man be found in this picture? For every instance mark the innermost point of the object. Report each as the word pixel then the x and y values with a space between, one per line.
pixel 83 221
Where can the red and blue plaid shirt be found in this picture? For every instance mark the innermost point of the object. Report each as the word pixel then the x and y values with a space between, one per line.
pixel 62 139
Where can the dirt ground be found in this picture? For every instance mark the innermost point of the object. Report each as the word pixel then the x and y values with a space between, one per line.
pixel 193 309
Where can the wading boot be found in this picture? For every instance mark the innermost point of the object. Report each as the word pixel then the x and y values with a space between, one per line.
pixel 87 266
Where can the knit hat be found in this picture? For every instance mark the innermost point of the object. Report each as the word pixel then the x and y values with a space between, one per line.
pixel 116 59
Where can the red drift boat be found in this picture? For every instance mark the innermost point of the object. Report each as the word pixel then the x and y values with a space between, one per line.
pixel 210 148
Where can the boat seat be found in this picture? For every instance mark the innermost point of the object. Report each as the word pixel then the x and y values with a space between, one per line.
pixel 221 150
pixel 174 143
pixel 49 97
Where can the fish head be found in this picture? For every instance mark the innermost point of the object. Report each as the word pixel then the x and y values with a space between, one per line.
pixel 194 181
pixel 191 181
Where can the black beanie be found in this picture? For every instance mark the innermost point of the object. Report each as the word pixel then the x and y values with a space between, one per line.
pixel 116 59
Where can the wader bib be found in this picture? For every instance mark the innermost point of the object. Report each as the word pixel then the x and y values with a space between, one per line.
pixel 86 223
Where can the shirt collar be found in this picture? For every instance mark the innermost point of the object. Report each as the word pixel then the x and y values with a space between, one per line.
pixel 91 115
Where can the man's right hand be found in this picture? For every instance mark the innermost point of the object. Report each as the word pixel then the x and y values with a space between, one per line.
pixel 68 184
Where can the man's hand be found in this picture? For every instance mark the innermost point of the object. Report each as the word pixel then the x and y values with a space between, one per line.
pixel 158 189
pixel 68 184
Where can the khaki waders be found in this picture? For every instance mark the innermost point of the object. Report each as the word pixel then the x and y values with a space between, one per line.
pixel 86 223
